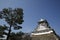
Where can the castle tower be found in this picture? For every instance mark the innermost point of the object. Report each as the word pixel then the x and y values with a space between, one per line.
pixel 44 32
pixel 42 25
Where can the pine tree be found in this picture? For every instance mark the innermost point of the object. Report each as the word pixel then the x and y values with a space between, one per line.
pixel 14 17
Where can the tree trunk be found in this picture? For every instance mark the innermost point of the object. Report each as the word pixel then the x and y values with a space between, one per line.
pixel 9 33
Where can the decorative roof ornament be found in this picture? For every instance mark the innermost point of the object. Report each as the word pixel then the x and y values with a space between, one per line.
pixel 42 20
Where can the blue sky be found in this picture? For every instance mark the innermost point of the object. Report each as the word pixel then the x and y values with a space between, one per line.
pixel 34 10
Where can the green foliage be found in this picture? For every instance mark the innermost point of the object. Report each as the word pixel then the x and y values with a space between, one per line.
pixel 2 30
pixel 16 36
pixel 14 17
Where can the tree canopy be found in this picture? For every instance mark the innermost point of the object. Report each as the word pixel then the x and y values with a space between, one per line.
pixel 14 17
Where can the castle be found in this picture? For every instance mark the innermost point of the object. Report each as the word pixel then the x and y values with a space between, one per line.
pixel 44 32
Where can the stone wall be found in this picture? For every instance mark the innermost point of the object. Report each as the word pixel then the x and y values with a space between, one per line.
pixel 45 37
